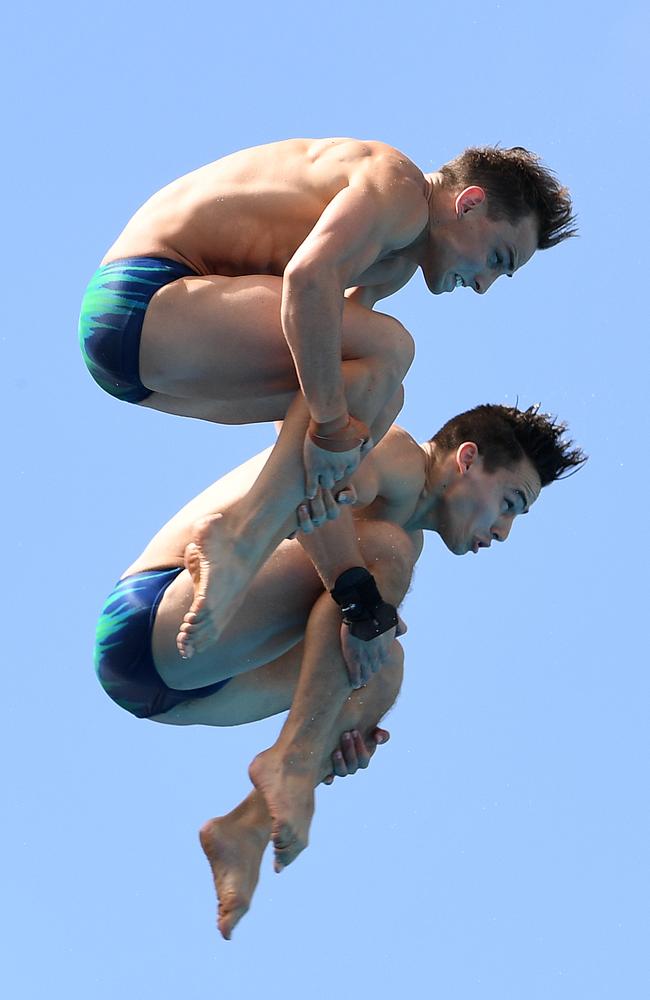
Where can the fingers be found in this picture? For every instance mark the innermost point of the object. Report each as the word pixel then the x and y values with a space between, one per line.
pixel 347 496
pixel 351 755
pixel 355 753
pixel 330 505
pixel 314 512
pixel 364 658
pixel 326 468
pixel 327 479
pixel 317 508
pixel 366 447
pixel 304 520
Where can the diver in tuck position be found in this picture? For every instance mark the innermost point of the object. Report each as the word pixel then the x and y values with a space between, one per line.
pixel 316 630
pixel 256 276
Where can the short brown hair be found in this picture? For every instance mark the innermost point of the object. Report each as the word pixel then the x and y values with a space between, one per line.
pixel 505 434
pixel 516 183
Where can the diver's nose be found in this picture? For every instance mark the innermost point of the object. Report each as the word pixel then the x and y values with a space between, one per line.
pixel 482 283
pixel 500 533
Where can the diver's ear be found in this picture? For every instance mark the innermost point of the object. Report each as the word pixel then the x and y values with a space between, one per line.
pixel 469 198
pixel 466 456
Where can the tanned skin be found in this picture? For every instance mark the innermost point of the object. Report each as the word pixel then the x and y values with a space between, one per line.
pixel 287 649
pixel 293 244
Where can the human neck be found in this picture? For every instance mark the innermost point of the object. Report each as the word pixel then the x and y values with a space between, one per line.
pixel 438 197
pixel 426 512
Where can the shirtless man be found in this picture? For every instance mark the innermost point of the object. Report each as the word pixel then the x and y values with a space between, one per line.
pixel 290 646
pixel 256 275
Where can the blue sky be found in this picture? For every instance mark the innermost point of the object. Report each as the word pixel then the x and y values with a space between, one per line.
pixel 497 848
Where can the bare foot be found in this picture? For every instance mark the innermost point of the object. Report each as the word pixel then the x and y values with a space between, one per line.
pixel 220 574
pixel 288 790
pixel 234 851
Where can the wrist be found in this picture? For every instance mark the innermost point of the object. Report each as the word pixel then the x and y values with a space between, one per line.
pixel 352 434
pixel 327 427
pixel 354 589
pixel 363 609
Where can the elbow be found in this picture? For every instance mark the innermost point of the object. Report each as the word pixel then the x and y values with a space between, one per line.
pixel 310 277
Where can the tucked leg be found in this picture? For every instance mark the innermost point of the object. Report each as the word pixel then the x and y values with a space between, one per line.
pixel 287 773
pixel 234 844
pixel 220 338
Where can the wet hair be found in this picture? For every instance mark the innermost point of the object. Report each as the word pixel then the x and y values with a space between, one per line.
pixel 505 434
pixel 516 184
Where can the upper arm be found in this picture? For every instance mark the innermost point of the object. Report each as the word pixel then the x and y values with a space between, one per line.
pixel 363 221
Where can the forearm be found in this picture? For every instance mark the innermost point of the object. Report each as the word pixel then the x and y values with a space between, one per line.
pixel 334 547
pixel 311 320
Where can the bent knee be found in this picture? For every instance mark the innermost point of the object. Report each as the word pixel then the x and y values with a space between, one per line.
pixel 369 334
pixel 390 555
pixel 396 344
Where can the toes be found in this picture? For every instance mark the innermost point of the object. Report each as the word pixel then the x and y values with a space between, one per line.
pixel 201 639
pixel 230 917
pixel 285 856
pixel 287 846
pixel 282 836
pixel 185 640
pixel 196 635
pixel 197 612
pixel 193 560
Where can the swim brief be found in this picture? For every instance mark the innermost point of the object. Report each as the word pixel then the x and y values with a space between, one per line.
pixel 123 658
pixel 112 314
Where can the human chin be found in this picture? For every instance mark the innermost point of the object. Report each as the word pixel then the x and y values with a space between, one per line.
pixel 436 275
pixel 457 546
pixel 436 283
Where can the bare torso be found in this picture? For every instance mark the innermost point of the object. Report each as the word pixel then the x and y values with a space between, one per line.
pixel 388 483
pixel 249 212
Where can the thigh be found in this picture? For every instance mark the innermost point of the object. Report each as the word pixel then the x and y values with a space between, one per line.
pixel 220 338
pixel 245 410
pixel 258 694
pixel 216 337
pixel 270 622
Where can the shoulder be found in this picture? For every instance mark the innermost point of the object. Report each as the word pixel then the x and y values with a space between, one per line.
pixel 380 156
pixel 390 172
pixel 372 165
pixel 399 463
pixel 395 442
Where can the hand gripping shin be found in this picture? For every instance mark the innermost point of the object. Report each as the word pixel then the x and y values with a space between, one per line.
pixel 363 609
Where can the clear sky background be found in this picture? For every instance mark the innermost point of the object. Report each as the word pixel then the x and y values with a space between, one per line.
pixel 497 848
